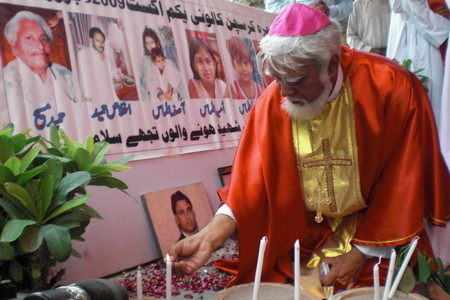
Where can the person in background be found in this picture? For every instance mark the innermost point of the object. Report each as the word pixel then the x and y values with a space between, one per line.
pixel 206 82
pixel 341 146
pixel 418 32
pixel 150 40
pixel 244 87
pixel 98 70
pixel 368 26
pixel 334 9
pixel 184 214
pixel 31 76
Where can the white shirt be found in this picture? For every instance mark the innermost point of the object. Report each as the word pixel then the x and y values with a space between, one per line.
pixel 368 25
pixel 416 33
pixel 96 76
pixel 339 9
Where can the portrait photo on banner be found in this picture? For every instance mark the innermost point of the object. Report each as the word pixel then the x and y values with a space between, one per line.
pixel 103 59
pixel 37 70
pixel 176 213
pixel 159 74
pixel 208 79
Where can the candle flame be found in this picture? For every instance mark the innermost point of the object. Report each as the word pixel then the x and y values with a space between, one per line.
pixel 167 257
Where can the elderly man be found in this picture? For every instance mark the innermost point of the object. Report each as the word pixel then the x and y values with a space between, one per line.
pixel 98 69
pixel 31 76
pixel 340 152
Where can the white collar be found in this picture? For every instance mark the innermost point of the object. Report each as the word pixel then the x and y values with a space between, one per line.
pixel 338 85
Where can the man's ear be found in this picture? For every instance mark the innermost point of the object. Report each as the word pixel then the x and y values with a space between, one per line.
pixel 333 66
pixel 13 49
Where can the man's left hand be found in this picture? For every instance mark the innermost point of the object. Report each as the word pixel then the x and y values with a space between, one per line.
pixel 345 268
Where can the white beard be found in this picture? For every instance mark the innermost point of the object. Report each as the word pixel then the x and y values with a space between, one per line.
pixel 309 110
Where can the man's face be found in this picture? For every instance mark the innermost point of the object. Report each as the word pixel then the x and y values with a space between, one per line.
pixel 185 216
pixel 98 42
pixel 306 90
pixel 32 46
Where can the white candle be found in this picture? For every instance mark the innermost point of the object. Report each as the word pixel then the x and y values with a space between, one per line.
pixel 376 281
pixel 297 270
pixel 262 249
pixel 168 277
pixel 139 284
pixel 403 267
pixel 390 274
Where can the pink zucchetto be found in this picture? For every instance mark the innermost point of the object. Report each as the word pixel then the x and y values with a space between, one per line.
pixel 298 19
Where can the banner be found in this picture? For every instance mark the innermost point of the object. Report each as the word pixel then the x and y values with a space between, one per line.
pixel 153 78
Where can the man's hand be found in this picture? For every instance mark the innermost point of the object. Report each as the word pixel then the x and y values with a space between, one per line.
pixel 345 268
pixel 320 5
pixel 193 252
pixel 190 254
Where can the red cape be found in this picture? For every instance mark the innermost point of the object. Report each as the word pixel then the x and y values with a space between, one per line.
pixel 401 169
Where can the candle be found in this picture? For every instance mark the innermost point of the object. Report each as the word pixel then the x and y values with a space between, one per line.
pixel 376 281
pixel 262 248
pixel 139 284
pixel 403 267
pixel 390 274
pixel 297 270
pixel 168 277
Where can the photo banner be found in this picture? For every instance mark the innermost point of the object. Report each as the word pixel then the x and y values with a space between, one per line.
pixel 153 78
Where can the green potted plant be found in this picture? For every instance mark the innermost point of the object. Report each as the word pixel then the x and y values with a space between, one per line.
pixel 43 201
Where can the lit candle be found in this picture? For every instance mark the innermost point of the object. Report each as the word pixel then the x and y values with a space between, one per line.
pixel 390 274
pixel 139 284
pixel 376 281
pixel 168 277
pixel 262 249
pixel 297 270
pixel 403 267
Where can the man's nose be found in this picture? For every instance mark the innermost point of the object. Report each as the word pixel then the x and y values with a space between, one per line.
pixel 285 90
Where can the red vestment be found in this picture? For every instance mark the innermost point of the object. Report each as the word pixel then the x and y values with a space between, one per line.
pixel 402 172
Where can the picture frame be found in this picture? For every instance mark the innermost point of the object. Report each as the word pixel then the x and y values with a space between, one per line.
pixel 224 175
pixel 165 224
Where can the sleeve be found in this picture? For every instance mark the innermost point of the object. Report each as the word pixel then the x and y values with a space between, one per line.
pixel 275 6
pixel 432 26
pixel 341 10
pixel 353 39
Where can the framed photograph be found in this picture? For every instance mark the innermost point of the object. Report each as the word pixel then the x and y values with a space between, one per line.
pixel 224 175
pixel 177 212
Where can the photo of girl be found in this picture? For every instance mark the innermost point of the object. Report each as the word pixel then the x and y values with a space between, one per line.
pixel 245 86
pixel 205 68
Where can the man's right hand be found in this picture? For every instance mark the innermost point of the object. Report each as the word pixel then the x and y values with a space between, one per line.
pixel 193 252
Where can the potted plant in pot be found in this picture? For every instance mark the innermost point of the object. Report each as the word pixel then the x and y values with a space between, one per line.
pixel 43 201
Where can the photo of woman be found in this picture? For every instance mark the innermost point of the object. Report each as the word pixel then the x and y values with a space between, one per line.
pixel 150 40
pixel 205 68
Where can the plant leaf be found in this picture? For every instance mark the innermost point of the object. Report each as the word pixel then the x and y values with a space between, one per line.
pixel 31 239
pixel 71 182
pixel 24 177
pixel 58 241
pixel 16 271
pixel 13 163
pixel 408 281
pixel 12 211
pixel 5 175
pixel 89 144
pixel 108 181
pixel 35 273
pixel 424 268
pixel 54 136
pixel 67 206
pixel 99 152
pixel 45 195
pixel 29 157
pixel 83 159
pixel 107 167
pixel 14 228
pixel 122 160
pixel 7 251
pixel 22 195
pixel 7 148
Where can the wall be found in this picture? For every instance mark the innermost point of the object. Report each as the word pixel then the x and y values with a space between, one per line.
pixel 124 239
